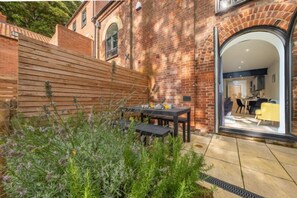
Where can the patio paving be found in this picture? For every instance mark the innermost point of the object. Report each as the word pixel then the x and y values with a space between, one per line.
pixel 265 169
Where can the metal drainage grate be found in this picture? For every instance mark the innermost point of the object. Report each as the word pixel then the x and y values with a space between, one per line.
pixel 229 187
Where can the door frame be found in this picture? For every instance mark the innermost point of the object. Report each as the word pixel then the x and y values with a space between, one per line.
pixel 288 62
pixel 283 36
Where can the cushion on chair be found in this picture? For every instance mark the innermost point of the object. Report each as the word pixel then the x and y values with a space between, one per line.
pixel 269 112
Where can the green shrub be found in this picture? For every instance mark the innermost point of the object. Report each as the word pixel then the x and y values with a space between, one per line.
pixel 86 156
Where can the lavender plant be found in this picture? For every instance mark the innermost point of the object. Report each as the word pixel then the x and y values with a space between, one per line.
pixel 86 156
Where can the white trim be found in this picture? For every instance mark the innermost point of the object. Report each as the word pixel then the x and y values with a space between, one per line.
pixel 114 19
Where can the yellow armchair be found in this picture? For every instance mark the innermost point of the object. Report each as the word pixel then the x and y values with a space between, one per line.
pixel 269 112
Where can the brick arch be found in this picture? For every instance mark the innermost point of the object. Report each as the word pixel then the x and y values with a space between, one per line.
pixel 205 51
pixel 274 14
pixel 114 19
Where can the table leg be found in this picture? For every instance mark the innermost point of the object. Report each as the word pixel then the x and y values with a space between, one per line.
pixel 245 103
pixel 175 128
pixel 189 126
pixel 141 117
pixel 122 115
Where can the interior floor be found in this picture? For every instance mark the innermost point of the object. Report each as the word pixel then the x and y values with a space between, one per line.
pixel 249 122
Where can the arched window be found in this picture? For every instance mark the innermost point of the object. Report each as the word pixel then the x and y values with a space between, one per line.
pixel 111 41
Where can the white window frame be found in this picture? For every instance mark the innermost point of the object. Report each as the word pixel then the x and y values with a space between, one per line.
pixel 229 4
pixel 113 51
pixel 84 18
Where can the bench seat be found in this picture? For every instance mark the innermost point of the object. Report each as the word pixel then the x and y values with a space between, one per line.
pixel 145 129
pixel 154 130
pixel 164 120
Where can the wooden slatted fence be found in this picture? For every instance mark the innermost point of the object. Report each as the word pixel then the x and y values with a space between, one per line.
pixel 94 82
pixel 8 88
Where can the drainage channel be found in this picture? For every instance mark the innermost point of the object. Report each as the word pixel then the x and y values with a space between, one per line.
pixel 229 187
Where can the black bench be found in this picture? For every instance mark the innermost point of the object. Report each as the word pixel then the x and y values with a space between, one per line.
pixel 146 129
pixel 154 130
pixel 164 120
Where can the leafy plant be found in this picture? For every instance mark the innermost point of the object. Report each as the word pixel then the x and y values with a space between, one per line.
pixel 40 17
pixel 87 156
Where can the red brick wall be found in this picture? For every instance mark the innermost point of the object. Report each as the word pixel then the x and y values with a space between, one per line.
pixel 88 29
pixel 165 45
pixel 68 39
pixel 164 48
pixel 99 5
pixel 294 80
pixel 8 57
pixel 250 14
pixel 120 16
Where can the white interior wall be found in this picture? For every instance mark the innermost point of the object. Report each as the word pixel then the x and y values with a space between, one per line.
pixel 225 88
pixel 245 84
pixel 272 88
pixel 242 84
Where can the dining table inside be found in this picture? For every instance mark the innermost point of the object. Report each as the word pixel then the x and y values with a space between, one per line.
pixel 246 103
pixel 175 113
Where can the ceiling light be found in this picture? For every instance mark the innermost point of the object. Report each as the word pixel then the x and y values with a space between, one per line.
pixel 247 50
pixel 239 67
pixel 242 61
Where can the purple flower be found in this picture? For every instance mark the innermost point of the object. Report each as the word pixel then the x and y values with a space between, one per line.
pixel 6 179
pixel 30 128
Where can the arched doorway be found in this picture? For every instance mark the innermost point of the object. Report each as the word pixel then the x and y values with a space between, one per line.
pixel 252 83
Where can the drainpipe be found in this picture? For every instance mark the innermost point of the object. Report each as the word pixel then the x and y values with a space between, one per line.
pixel 131 35
pixel 95 38
pixel 97 33
pixel 195 63
pixel 95 42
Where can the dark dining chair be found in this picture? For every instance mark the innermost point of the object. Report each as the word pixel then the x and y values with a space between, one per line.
pixel 257 105
pixel 228 106
pixel 239 105
pixel 250 106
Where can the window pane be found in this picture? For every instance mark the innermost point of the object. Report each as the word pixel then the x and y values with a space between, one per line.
pixel 108 44
pixel 74 26
pixel 224 4
pixel 115 41
pixel 113 29
pixel 112 40
pixel 84 18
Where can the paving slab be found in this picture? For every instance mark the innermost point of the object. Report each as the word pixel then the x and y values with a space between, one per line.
pixel 224 138
pixel 221 193
pixel 273 168
pixel 265 169
pixel 225 171
pixel 225 143
pixel 285 158
pixel 198 143
pixel 292 170
pixel 267 185
pixel 201 139
pixel 282 149
pixel 222 154
pixel 255 150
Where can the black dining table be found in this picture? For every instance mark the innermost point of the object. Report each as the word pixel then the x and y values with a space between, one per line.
pixel 174 112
